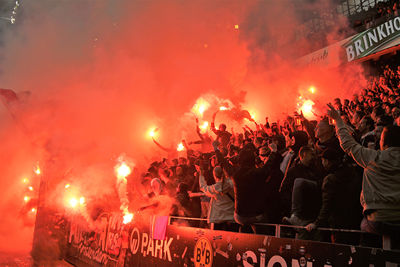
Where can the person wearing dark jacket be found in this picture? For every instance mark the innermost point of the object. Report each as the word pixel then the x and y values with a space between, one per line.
pixel 305 168
pixel 249 184
pixel 340 202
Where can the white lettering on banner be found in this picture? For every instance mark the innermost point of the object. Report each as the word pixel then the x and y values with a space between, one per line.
pixel 367 42
pixel 249 254
pixel 372 37
pixel 145 241
pixel 277 259
pixel 350 53
pixel 359 48
pixel 134 241
pixel 381 34
pixel 389 27
pixel 396 20
pixel 158 250
pixel 148 246
pixel 274 261
pixel 167 252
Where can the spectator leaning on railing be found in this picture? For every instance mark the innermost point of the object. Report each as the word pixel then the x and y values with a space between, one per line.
pixel 380 195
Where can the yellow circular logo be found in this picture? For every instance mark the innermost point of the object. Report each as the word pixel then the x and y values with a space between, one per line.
pixel 203 253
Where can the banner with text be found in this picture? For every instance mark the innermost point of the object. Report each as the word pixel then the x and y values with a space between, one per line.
pixel 111 243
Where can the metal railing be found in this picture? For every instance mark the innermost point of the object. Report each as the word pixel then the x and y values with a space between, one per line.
pixel 386 242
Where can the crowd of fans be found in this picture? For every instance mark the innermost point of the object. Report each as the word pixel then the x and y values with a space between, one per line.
pixel 305 173
pixel 372 16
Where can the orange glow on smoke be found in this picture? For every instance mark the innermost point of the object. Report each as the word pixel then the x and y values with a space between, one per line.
pixel 236 26
pixel 312 89
pixel 37 170
pixel 73 202
pixel 123 170
pixel 152 132
pixel 203 127
pixel 180 147
pixel 253 114
pixel 25 180
pixel 307 108
pixel 223 108
pixel 200 106
pixel 128 217
pixel 67 186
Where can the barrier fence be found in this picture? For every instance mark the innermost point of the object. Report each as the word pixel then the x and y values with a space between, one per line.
pixel 113 243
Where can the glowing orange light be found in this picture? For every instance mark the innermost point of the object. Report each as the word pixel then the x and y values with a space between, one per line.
pixel 180 147
pixel 253 114
pixel 204 126
pixel 152 132
pixel 81 200
pixel 30 188
pixel 67 186
pixel 73 202
pixel 33 210
pixel 237 26
pixel 25 180
pixel 128 217
pixel 200 106
pixel 123 170
pixel 37 171
pixel 26 198
pixel 223 108
pixel 311 89
pixel 306 108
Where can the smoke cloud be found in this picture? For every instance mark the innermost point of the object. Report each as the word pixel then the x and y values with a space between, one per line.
pixel 102 73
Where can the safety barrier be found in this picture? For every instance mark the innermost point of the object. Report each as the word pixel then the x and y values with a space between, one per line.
pixel 113 243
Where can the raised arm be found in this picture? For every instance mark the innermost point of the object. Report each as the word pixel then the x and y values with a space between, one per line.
pixel 160 146
pixel 359 153
pixel 212 126
pixel 228 167
pixel 209 190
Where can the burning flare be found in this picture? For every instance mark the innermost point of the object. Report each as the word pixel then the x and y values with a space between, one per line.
pixel 204 126
pixel 37 170
pixel 200 106
pixel 312 89
pixel 152 132
pixel 180 147
pixel 73 202
pixel 307 108
pixel 128 217
pixel 123 170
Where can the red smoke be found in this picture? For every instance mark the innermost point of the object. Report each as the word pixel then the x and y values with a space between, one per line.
pixel 101 74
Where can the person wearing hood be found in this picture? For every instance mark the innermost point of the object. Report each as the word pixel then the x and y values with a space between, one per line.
pixel 222 204
pixel 305 174
pixel 380 194
pixel 340 203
